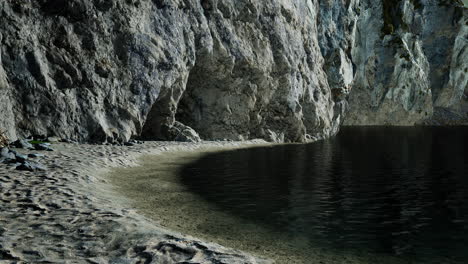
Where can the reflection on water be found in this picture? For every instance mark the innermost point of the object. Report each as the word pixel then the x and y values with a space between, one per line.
pixel 399 191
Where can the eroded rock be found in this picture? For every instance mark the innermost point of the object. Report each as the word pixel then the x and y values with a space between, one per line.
pixel 98 71
pixel 107 71
pixel 411 57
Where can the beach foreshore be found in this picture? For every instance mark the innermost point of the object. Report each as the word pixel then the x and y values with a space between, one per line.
pixel 70 213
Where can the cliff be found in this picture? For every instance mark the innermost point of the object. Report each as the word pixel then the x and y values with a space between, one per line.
pixel 283 70
pixel 411 62
pixel 109 70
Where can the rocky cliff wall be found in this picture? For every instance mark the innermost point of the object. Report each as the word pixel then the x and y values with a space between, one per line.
pixel 411 61
pixel 109 70
pixel 97 70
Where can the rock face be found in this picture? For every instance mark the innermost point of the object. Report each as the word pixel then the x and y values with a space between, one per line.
pixel 411 60
pixel 97 70
pixel 107 70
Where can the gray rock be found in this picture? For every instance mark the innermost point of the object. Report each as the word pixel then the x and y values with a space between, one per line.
pixel 8 160
pixel 70 141
pixel 43 146
pixel 22 143
pixel 53 139
pixel 135 141
pixel 6 155
pixel 274 137
pixel 183 133
pixel 35 155
pixel 4 151
pixel 31 166
pixel 21 158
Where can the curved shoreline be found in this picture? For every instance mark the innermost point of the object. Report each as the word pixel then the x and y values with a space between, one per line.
pixel 70 213
pixel 156 191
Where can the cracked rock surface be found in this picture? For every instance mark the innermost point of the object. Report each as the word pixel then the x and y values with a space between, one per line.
pixel 93 70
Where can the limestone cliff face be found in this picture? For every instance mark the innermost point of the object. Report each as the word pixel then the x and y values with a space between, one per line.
pixel 411 60
pixel 108 70
pixel 97 70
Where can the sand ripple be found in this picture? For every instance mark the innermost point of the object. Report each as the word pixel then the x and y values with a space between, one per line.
pixel 69 214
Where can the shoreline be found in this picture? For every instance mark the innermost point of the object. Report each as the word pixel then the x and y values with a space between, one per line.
pixel 155 190
pixel 72 213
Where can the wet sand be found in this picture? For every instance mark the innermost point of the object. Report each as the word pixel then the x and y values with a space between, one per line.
pixel 155 190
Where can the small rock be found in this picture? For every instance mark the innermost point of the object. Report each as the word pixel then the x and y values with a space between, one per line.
pixel 4 151
pixel 22 143
pixel 35 155
pixel 53 139
pixel 9 161
pixel 25 167
pixel 6 154
pixel 31 166
pixel 38 137
pixel 183 133
pixel 43 146
pixel 129 144
pixel 67 140
pixel 21 158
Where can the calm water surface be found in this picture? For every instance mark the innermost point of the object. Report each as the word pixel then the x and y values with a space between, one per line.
pixel 396 191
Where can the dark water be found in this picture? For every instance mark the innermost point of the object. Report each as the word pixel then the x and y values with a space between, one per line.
pixel 397 191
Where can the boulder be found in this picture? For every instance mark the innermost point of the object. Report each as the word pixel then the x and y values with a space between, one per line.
pixel 183 133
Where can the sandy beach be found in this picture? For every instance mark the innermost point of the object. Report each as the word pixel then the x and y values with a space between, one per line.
pixel 71 214
pixel 156 190
pixel 121 204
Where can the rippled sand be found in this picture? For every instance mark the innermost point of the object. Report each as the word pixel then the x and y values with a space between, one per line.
pixel 71 214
